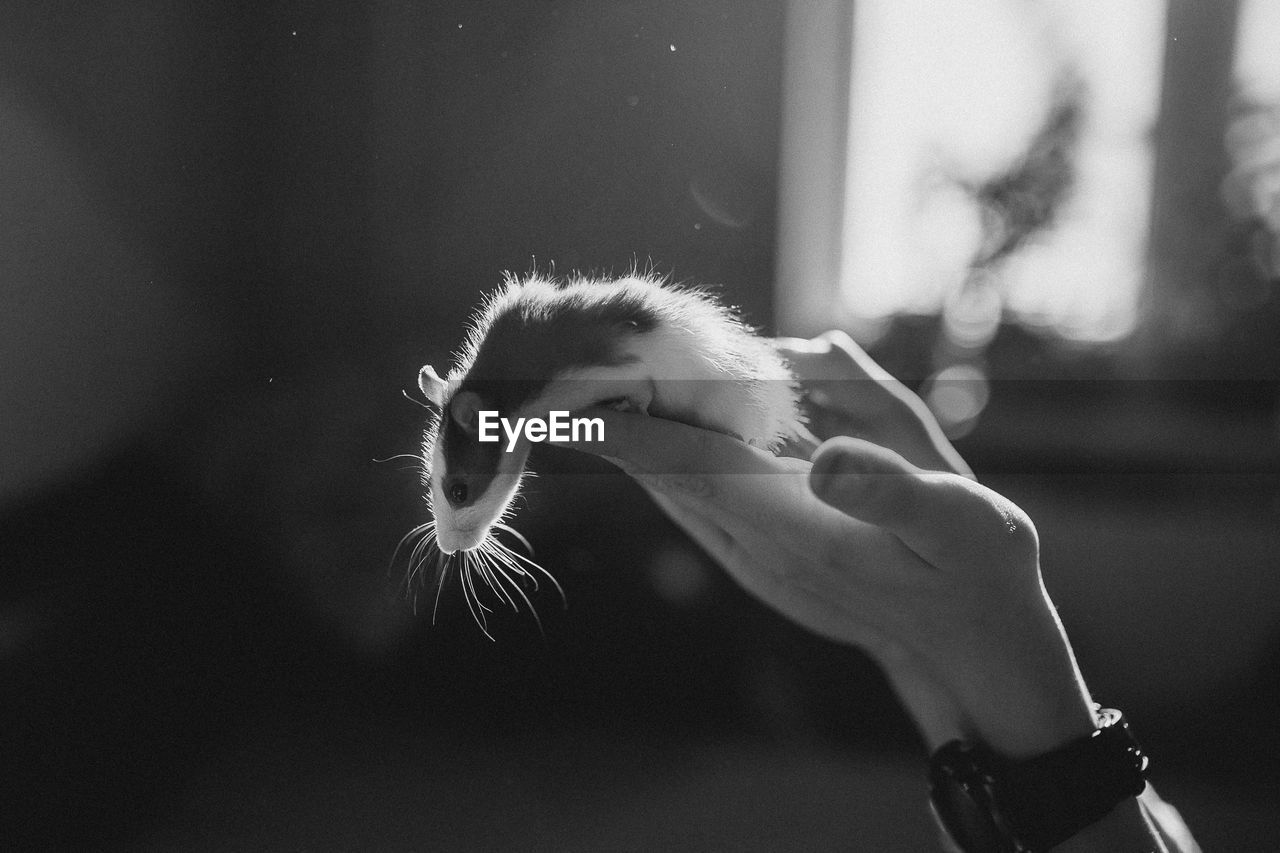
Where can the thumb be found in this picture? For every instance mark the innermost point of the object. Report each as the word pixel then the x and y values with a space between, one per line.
pixel 946 519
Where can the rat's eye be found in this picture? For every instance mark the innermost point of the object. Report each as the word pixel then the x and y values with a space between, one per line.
pixel 458 493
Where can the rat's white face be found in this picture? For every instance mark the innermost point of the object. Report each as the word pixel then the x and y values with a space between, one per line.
pixel 466 528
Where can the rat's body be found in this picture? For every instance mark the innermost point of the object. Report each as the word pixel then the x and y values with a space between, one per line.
pixel 538 346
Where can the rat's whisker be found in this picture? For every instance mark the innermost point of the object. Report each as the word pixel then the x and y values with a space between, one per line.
pixel 416 402
pixel 503 576
pixel 530 563
pixel 421 530
pixel 441 566
pixel 486 569
pixel 506 528
pixel 416 458
pixel 474 604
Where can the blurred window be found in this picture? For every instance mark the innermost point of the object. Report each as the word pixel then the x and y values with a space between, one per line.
pixel 995 162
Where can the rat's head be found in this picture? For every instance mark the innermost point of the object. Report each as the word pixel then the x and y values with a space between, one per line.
pixel 472 483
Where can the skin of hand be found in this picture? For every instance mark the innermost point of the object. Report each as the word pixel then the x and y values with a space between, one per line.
pixel 880 537
pixel 883 540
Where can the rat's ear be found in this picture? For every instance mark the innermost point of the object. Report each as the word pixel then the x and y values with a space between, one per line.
pixel 464 408
pixel 431 386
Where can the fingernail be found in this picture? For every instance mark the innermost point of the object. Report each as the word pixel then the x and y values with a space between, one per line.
pixel 837 338
pixel 840 467
pixel 824 474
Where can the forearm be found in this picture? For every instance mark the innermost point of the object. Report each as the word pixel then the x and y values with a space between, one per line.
pixel 1009 681
pixel 1137 825
pixel 1022 707
pixel 1144 823
pixel 1124 830
pixel 972 644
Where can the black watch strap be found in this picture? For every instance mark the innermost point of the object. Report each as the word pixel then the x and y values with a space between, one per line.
pixel 1035 804
pixel 1051 797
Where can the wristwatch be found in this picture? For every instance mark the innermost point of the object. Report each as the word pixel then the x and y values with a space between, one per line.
pixel 992 804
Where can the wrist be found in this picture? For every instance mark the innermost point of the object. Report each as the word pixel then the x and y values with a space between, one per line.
pixel 1123 828
pixel 1016 711
pixel 1019 686
pixel 1078 797
pixel 1031 720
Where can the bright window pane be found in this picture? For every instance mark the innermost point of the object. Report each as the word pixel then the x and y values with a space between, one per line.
pixel 946 95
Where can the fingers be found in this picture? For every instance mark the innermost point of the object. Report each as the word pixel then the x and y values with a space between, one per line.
pixel 832 356
pixel 801 445
pixel 765 565
pixel 719 543
pixel 837 373
pixel 645 445
pixel 945 518
pixel 853 395
pixel 738 488
pixel 721 474
pixel 865 481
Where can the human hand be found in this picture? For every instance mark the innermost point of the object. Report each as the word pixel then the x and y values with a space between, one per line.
pixel 849 394
pixel 935 576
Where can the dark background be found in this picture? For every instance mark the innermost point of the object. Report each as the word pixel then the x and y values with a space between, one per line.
pixel 229 237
